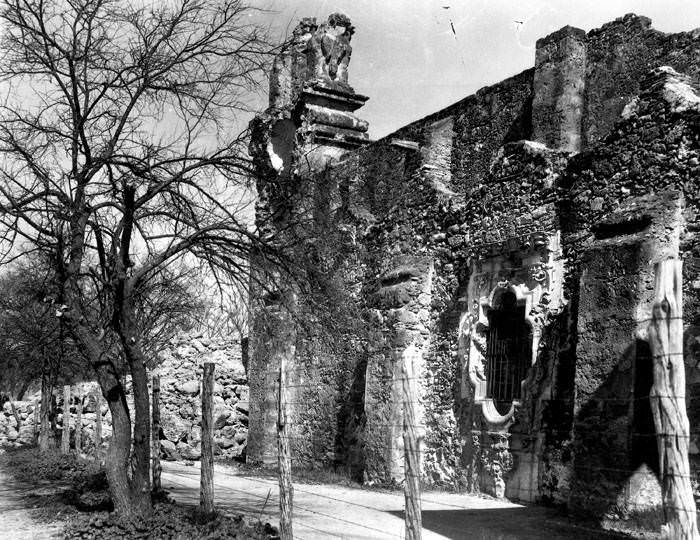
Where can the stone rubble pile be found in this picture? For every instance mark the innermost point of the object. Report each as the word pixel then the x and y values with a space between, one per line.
pixel 12 434
pixel 181 375
pixel 180 404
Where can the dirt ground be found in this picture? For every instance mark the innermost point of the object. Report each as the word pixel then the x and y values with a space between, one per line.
pixel 21 517
pixel 321 511
pixel 326 512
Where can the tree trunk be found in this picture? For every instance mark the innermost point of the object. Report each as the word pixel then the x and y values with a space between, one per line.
pixel 667 397
pixel 65 433
pixel 412 515
pixel 129 483
pixel 79 423
pixel 128 503
pixel 98 424
pixel 285 350
pixel 139 462
pixel 206 490
pixel 141 449
pixel 155 435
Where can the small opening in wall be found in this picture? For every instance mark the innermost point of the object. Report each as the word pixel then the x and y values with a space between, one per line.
pixel 395 278
pixel 621 228
pixel 508 351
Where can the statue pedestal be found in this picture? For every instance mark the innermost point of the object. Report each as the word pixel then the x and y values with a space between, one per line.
pixel 326 113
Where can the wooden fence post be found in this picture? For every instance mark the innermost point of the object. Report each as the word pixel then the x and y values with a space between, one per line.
pixel 37 414
pixel 65 434
pixel 411 449
pixel 155 435
pixel 98 423
pixel 284 455
pixel 45 415
pixel 667 398
pixel 79 423
pixel 206 490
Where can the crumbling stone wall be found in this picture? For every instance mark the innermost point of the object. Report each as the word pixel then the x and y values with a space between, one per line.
pixel 12 433
pixel 619 55
pixel 633 202
pixel 562 185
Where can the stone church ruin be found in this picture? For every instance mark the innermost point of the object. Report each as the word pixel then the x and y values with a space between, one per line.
pixel 503 249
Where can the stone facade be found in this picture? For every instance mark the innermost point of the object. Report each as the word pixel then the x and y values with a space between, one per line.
pixel 501 250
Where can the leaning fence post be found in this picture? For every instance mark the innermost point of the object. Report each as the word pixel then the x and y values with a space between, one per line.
pixel 206 493
pixel 667 398
pixel 155 434
pixel 65 435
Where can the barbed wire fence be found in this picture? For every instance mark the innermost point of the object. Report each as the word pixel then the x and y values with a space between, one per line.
pixel 414 453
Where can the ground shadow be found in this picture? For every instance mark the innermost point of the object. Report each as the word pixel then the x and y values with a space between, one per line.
pixel 520 523
pixel 616 464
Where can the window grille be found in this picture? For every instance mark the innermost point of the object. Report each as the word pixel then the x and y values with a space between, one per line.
pixel 507 352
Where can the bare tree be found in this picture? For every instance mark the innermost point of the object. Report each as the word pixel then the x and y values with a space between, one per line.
pixel 118 157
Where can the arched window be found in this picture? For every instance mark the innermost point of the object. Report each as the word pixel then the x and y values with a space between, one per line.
pixel 508 351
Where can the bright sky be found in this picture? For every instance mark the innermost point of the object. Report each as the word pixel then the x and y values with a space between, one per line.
pixel 409 62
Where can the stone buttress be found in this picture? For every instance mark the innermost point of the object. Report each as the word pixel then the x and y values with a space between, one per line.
pixel 309 125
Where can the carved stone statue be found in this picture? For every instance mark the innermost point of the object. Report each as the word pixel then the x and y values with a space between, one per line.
pixel 329 50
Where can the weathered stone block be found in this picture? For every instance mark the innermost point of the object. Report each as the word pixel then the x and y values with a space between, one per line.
pixel 188 387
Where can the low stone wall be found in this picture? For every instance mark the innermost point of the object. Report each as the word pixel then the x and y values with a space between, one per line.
pixel 12 433
pixel 180 404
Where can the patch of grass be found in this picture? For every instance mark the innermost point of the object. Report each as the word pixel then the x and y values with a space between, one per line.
pixel 169 521
pixel 641 522
pixel 86 489
pixel 32 466
pixel 305 475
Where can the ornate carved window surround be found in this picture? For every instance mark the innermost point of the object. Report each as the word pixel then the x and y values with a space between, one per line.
pixel 534 274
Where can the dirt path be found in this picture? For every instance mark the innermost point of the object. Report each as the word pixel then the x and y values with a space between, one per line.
pixel 327 512
pixel 16 520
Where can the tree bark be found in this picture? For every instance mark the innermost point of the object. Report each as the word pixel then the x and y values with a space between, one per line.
pixel 412 515
pixel 98 424
pixel 129 484
pixel 155 435
pixel 141 443
pixel 138 461
pixel 79 424
pixel 206 490
pixel 284 349
pixel 667 397
pixel 65 433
